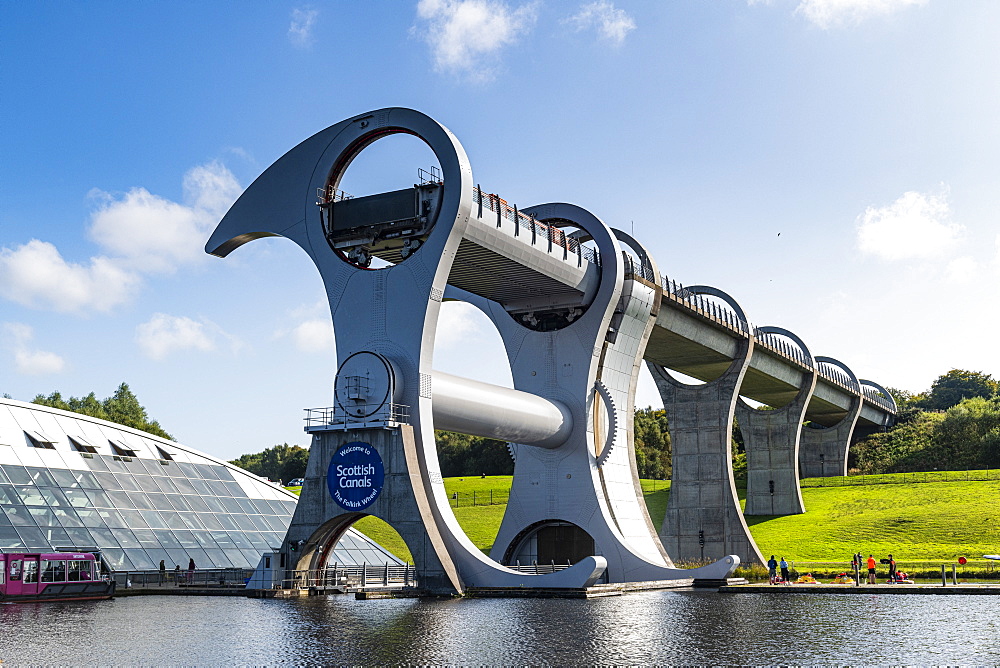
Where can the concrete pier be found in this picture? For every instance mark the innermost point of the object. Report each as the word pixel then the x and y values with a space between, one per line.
pixel 823 450
pixel 704 520
pixel 771 439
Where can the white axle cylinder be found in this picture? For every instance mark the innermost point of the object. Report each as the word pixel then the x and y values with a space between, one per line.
pixel 481 409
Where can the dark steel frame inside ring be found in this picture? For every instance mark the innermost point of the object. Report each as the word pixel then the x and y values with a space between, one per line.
pixel 579 306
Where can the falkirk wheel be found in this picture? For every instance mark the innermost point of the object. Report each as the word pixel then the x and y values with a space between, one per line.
pixel 575 302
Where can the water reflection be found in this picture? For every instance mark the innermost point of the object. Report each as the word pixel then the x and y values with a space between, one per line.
pixel 656 627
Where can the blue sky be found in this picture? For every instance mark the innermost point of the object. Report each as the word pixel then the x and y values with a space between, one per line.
pixel 832 164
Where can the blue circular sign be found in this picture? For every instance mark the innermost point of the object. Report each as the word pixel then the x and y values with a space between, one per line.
pixel 356 475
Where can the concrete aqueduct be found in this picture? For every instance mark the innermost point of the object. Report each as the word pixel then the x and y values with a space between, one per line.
pixel 579 306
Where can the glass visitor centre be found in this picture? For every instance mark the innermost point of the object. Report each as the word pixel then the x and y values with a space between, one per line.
pixel 73 482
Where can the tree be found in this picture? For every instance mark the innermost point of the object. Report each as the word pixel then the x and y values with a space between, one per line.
pixel 904 398
pixel 279 462
pixel 462 455
pixel 908 446
pixel 652 443
pixel 949 389
pixel 122 407
pixel 969 435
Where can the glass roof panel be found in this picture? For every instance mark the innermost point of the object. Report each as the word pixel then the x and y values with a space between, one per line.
pixel 17 474
pixel 87 479
pixel 33 538
pixel 10 539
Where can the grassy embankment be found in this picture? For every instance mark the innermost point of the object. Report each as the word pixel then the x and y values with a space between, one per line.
pixel 916 521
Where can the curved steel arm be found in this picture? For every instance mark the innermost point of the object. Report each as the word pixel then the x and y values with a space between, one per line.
pixel 282 200
pixel 716 292
pixel 781 331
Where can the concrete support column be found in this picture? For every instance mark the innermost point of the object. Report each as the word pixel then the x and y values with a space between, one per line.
pixel 319 521
pixel 823 451
pixel 704 520
pixel 771 439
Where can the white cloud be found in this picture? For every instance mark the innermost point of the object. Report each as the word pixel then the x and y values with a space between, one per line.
pixel 312 331
pixel 314 335
pixel 36 275
pixel 611 24
pixel 916 225
pixel 300 32
pixel 962 270
pixel 465 36
pixel 141 233
pixel 28 361
pixel 154 234
pixel 37 362
pixel 165 334
pixel 835 13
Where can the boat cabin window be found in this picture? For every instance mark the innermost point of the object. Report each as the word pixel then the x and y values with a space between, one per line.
pixel 30 571
pixel 80 570
pixel 15 569
pixel 53 570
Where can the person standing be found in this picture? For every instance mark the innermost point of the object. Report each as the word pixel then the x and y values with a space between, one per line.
pixel 892 570
pixel 163 571
pixel 772 569
pixel 191 570
pixel 871 569
pixel 784 570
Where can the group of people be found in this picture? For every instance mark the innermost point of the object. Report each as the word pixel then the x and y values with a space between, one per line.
pixel 858 563
pixel 772 570
pixel 177 571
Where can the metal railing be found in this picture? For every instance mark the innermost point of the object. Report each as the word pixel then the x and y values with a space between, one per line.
pixel 707 308
pixel 838 377
pixel 333 418
pixel 639 269
pixel 330 194
pixel 431 176
pixel 908 478
pixel 535 568
pixel 779 345
pixel 877 398
pixel 554 238
pixel 353 577
pixel 915 569
pixel 482 497
pixel 201 577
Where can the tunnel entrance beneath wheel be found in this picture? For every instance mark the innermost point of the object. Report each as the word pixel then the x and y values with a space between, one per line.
pixel 356 551
pixel 549 545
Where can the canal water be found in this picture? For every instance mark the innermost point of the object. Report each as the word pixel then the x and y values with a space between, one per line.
pixel 675 627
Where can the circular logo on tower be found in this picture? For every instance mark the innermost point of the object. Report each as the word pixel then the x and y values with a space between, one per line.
pixel 356 475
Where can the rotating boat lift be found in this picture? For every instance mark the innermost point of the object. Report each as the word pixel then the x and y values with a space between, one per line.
pixel 574 301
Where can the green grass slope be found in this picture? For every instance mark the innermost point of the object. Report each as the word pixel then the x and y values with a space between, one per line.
pixel 920 521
